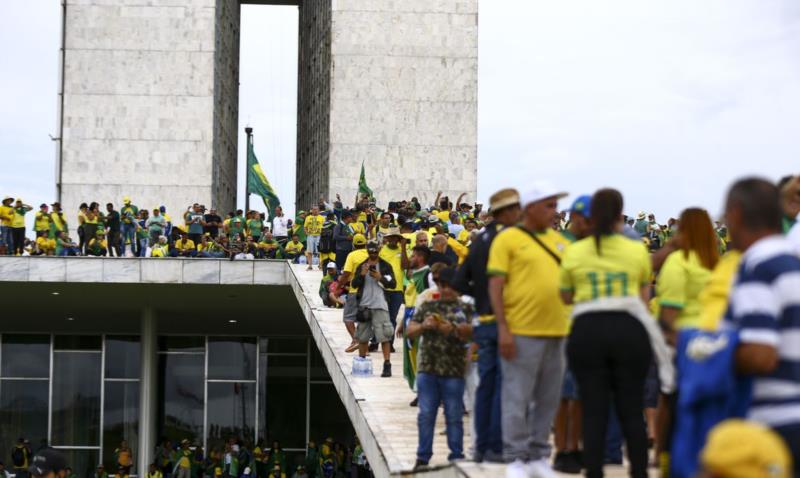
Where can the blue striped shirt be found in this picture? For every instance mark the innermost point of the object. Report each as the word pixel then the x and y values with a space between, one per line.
pixel 765 308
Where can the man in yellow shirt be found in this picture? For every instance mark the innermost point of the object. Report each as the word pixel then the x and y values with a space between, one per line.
pixel 184 247
pixel 313 228
pixel 41 223
pixel 18 226
pixel 6 216
pixel 531 324
pixel 357 256
pixel 394 252
pixel 293 248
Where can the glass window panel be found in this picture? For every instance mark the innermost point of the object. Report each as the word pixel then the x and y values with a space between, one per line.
pixel 77 342
pixel 26 356
pixel 181 396
pixel 177 343
pixel 122 357
pixel 23 413
pixel 82 462
pixel 76 399
pixel 121 421
pixel 328 416
pixel 231 412
pixel 231 358
pixel 286 401
pixel 284 345
pixel 318 369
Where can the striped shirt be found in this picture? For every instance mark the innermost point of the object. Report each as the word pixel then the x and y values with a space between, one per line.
pixel 765 308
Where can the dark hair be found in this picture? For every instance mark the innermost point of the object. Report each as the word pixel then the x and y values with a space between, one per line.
pixel 759 201
pixel 83 205
pixel 110 204
pixel 784 181
pixel 423 251
pixel 606 211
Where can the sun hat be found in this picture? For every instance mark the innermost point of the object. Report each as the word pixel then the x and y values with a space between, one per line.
pixel 503 199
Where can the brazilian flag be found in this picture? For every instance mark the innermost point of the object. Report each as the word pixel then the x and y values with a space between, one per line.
pixel 257 182
pixel 362 183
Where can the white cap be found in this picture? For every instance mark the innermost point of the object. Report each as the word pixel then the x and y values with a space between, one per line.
pixel 331 265
pixel 540 190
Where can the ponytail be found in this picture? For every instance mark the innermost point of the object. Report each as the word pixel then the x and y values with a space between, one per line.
pixel 605 213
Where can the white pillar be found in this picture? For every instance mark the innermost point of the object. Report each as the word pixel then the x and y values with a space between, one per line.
pixel 147 391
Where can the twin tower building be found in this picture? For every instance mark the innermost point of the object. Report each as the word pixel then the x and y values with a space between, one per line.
pixel 148 100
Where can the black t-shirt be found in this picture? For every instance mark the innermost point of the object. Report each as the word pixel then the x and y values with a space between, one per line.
pixel 437 256
pixel 112 221
pixel 213 230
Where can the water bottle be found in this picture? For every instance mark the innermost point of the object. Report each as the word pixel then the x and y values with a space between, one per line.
pixel 368 367
pixel 357 366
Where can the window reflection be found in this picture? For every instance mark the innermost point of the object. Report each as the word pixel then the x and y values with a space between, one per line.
pixel 181 396
pixel 286 400
pixel 76 398
pixel 121 420
pixel 232 358
pixel 82 462
pixel 26 356
pixel 123 355
pixel 23 413
pixel 231 412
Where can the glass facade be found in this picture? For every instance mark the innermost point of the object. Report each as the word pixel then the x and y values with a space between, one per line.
pixel 81 393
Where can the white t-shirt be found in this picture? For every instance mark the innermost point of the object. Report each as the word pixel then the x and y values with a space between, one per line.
pixel 280 226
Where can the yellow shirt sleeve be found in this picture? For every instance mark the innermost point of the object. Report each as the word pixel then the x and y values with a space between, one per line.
pixel 499 256
pixel 647 266
pixel 671 283
pixel 565 272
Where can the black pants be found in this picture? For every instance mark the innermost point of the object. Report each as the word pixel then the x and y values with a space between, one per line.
pixel 114 243
pixel 609 354
pixel 18 236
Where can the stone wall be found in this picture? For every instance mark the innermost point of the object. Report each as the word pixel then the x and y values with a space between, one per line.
pixel 226 105
pixel 139 102
pixel 404 78
pixel 313 102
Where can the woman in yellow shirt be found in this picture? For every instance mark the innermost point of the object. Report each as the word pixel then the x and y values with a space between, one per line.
pixel 606 276
pixel 686 272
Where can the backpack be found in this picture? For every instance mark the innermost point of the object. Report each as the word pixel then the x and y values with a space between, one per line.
pixel 326 244
pixel 18 457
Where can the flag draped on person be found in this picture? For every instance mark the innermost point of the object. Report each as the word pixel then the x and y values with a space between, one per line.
pixel 257 182
pixel 362 183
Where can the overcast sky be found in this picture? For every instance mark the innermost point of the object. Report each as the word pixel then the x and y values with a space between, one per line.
pixel 667 101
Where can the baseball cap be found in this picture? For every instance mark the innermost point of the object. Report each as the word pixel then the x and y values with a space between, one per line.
pixel 373 246
pixel 359 239
pixel 539 191
pixel 42 205
pixel 331 265
pixel 126 200
pixel 46 461
pixel 741 449
pixel 217 471
pixel 582 205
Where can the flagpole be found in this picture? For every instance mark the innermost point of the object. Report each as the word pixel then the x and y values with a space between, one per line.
pixel 249 131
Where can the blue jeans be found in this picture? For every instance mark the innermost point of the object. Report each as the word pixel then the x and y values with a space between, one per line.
pixel 8 240
pixel 488 428
pixel 613 437
pixel 128 233
pixel 431 391
pixel 142 247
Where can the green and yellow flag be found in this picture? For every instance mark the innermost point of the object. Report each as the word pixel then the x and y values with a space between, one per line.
pixel 362 183
pixel 257 182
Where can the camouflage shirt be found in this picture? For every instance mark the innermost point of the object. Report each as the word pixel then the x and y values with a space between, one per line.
pixel 443 355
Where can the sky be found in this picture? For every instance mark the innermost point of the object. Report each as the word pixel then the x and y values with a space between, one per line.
pixel 668 101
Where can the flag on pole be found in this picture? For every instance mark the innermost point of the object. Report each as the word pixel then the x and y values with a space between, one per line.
pixel 257 182
pixel 362 183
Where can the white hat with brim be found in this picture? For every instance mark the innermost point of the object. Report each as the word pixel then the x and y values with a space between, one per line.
pixel 540 191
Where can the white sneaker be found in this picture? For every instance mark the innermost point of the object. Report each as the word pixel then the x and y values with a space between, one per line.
pixel 540 469
pixel 517 469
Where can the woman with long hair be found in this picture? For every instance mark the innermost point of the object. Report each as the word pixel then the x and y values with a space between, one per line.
pixel 686 272
pixel 607 277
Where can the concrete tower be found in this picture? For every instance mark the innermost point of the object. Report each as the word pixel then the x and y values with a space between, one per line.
pixel 149 100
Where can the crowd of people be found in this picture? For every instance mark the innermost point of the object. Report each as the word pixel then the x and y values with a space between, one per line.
pixel 585 325
pixel 236 459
